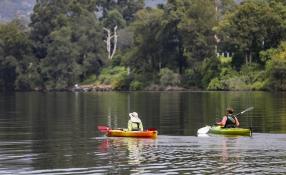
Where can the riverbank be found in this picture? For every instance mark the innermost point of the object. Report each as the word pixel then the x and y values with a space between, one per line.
pixel 102 87
pixel 91 87
pixel 153 87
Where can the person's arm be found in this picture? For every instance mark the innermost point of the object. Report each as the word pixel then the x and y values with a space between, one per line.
pixel 236 121
pixel 141 126
pixel 129 125
pixel 223 121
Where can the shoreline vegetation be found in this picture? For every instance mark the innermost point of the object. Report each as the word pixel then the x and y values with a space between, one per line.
pixel 93 45
pixel 103 88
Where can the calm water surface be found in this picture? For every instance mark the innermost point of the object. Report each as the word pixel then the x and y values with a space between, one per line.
pixel 55 133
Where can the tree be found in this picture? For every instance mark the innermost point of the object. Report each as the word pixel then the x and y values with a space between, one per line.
pixel 252 27
pixel 224 6
pixel 45 18
pixel 59 68
pixel 87 35
pixel 276 67
pixel 196 20
pixel 114 18
pixel 111 40
pixel 68 40
pixel 127 8
pixel 16 60
pixel 145 55
pixel 177 35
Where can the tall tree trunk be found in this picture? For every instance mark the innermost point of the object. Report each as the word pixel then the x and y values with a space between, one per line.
pixel 250 58
pixel 108 42
pixel 180 52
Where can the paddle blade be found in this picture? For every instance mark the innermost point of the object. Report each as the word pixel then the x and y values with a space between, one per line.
pixel 248 109
pixel 103 129
pixel 204 130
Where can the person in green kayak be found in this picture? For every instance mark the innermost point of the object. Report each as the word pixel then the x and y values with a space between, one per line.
pixel 229 120
pixel 134 123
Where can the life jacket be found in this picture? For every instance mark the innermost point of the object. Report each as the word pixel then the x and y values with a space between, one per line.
pixel 135 126
pixel 230 122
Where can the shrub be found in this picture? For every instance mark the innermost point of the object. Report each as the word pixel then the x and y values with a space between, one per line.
pixel 136 85
pixel 117 77
pixel 276 70
pixel 27 81
pixel 168 77
pixel 216 84
pixel 225 60
pixel 121 82
pixel 91 79
pixel 237 83
pixel 227 72
pixel 258 85
pixel 22 83
pixel 190 78
pixel 207 71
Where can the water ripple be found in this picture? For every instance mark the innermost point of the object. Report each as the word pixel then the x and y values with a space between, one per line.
pixel 165 155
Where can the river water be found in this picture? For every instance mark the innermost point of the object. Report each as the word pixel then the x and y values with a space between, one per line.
pixel 56 133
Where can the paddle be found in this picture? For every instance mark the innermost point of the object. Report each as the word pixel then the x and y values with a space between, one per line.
pixel 103 129
pixel 242 112
pixel 206 129
pixel 151 129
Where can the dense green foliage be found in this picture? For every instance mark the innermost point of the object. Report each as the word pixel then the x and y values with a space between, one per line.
pixel 175 44
pixel 169 78
pixel 276 67
pixel 18 67
pixel 116 76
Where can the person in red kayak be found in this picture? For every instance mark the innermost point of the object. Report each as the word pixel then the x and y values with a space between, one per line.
pixel 134 123
pixel 229 120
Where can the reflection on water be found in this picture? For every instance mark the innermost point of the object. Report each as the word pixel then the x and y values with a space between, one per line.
pixel 133 150
pixel 188 154
pixel 55 133
pixel 167 154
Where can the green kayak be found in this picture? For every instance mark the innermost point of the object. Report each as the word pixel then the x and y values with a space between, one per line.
pixel 230 131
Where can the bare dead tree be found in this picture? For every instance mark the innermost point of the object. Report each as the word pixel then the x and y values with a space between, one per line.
pixel 108 42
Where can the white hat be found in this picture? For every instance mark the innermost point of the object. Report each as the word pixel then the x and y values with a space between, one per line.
pixel 134 117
